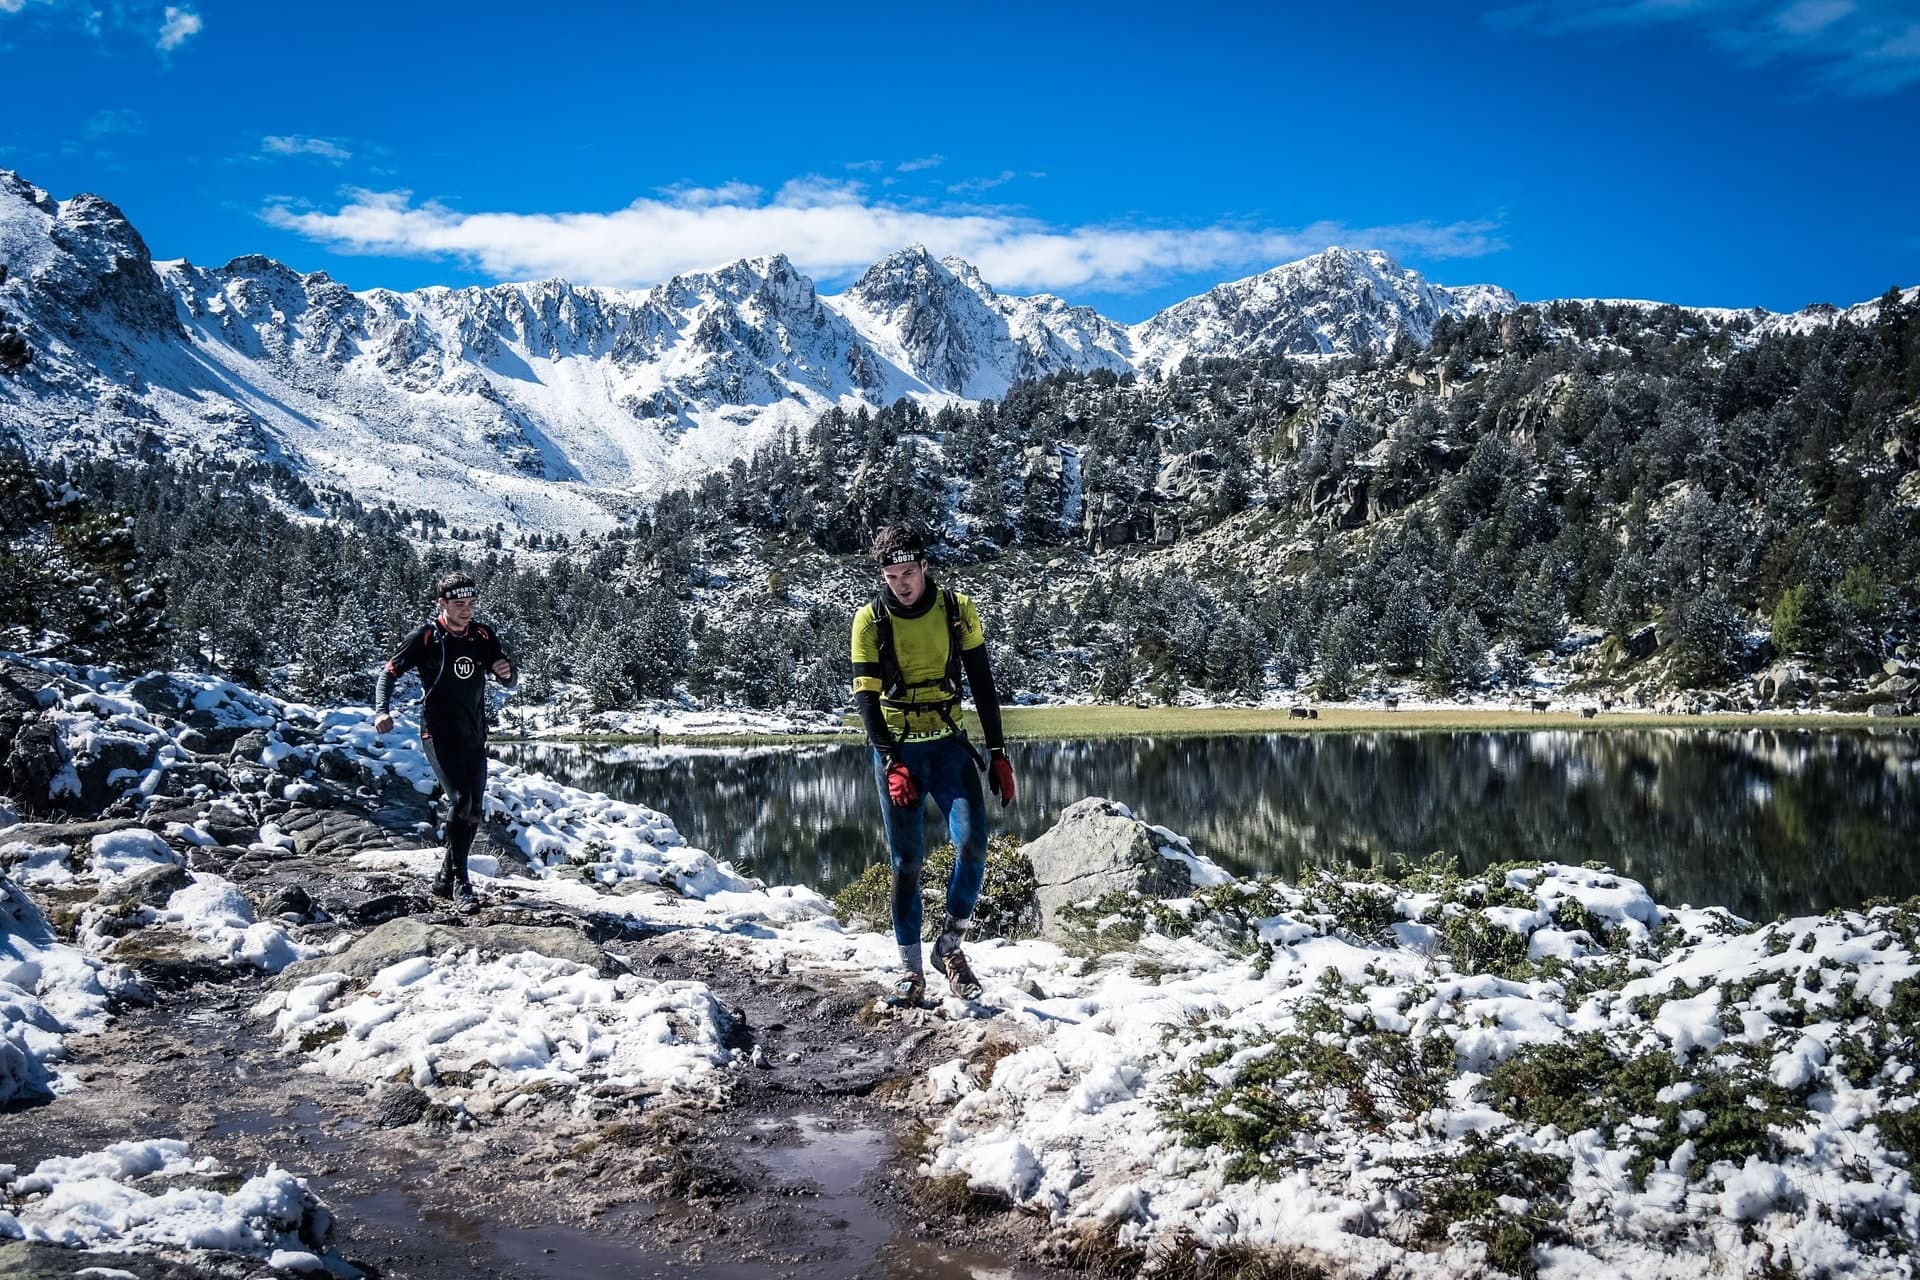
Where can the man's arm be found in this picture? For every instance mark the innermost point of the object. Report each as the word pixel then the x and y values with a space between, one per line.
pixel 504 669
pixel 986 699
pixel 398 665
pixel 879 736
pixel 986 704
pixel 866 683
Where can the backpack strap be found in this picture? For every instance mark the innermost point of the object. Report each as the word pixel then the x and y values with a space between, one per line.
pixel 893 681
pixel 429 635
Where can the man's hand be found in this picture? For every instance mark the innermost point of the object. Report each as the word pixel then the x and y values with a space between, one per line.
pixel 900 786
pixel 503 669
pixel 383 723
pixel 1000 777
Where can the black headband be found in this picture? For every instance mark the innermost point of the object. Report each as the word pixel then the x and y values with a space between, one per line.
pixel 460 593
pixel 901 555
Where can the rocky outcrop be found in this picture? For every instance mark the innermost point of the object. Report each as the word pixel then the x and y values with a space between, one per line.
pixel 1098 847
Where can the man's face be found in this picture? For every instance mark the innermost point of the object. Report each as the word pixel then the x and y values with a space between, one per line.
pixel 906 581
pixel 458 613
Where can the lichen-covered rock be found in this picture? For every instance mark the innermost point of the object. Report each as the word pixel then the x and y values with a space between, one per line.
pixel 1098 847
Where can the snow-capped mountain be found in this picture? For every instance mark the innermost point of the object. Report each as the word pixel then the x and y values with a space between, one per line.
pixel 1339 302
pixel 941 320
pixel 553 406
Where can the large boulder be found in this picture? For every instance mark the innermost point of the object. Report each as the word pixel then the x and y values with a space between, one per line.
pixel 1784 683
pixel 341 833
pixel 1098 847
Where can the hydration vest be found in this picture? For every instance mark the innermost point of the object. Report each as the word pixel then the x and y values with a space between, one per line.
pixel 893 682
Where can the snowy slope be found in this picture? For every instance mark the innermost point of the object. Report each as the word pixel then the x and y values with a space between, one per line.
pixel 546 405
pixel 1338 302
pixel 549 406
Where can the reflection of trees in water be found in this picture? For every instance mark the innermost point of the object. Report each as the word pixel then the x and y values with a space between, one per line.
pixel 1759 822
pixel 790 815
pixel 1762 822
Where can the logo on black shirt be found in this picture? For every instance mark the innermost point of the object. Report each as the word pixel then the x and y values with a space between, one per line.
pixel 463 668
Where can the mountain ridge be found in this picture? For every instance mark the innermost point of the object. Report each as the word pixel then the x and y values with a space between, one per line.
pixel 557 406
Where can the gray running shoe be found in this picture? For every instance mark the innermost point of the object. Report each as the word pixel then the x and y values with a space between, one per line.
pixel 960 974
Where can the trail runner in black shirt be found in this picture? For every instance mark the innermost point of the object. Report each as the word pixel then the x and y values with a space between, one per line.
pixel 453 655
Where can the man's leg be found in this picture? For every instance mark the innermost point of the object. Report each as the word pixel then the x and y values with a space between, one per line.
pixel 462 770
pixel 907 854
pixel 443 881
pixel 955 786
pixel 465 823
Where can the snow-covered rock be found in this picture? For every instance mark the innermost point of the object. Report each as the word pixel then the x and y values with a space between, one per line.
pixel 1098 847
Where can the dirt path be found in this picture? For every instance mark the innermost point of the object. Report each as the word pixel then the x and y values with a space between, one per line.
pixel 802 1170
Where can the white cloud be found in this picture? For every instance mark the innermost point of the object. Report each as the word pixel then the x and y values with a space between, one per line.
pixel 1810 16
pixel 974 185
pixel 298 145
pixel 831 230
pixel 924 162
pixel 178 26
pixel 114 122
pixel 1855 48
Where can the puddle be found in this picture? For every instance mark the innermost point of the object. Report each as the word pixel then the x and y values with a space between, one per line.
pixel 305 1124
pixel 550 1253
pixel 805 1219
pixel 834 1160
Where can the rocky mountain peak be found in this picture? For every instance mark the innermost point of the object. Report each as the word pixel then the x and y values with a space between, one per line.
pixel 101 276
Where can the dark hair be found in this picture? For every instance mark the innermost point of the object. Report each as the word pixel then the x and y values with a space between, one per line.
pixel 457 581
pixel 897 544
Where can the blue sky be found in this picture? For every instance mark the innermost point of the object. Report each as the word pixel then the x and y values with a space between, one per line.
pixel 1707 152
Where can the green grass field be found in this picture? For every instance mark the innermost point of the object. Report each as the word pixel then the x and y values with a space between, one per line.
pixel 1077 722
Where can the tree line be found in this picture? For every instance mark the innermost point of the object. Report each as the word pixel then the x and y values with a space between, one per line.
pixel 1670 481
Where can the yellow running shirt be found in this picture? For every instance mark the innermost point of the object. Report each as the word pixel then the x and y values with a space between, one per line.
pixel 920 646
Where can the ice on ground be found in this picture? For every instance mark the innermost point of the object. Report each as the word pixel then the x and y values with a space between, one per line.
pixel 1290 1093
pixel 1395 1077
pixel 48 990
pixel 505 1022
pixel 98 1200
pixel 118 855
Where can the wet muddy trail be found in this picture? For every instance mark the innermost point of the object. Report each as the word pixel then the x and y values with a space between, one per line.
pixel 803 1168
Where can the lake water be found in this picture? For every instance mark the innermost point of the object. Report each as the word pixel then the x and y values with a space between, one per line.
pixel 1764 822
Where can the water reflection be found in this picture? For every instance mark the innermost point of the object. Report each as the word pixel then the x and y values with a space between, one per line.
pixel 1764 821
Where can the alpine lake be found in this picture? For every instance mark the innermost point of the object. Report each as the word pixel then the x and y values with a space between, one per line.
pixel 1766 822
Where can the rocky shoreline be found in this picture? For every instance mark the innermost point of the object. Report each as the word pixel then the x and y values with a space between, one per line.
pixel 237 1036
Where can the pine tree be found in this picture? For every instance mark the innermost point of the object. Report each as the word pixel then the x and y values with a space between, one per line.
pixel 1405 627
pixel 602 670
pixel 1343 647
pixel 1703 638
pixel 75 581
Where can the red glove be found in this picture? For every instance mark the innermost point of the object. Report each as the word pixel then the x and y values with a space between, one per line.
pixel 1000 778
pixel 900 786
